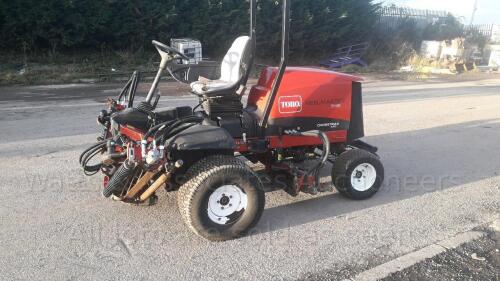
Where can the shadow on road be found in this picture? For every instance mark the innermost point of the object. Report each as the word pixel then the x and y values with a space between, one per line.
pixel 416 163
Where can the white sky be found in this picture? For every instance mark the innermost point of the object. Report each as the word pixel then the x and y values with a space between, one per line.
pixel 488 11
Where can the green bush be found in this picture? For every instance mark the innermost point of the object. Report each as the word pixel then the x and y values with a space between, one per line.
pixel 123 29
pixel 393 47
pixel 447 28
pixel 52 26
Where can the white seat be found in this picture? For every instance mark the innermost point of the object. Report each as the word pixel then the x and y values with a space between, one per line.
pixel 231 73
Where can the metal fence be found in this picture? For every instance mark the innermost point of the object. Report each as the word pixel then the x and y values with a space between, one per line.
pixel 392 16
pixel 403 12
pixel 483 29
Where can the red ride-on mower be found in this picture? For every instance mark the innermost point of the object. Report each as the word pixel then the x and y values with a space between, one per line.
pixel 293 116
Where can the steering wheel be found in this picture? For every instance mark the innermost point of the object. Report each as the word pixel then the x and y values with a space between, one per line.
pixel 162 47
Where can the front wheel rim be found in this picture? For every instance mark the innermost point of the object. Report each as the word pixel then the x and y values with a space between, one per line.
pixel 226 204
pixel 363 177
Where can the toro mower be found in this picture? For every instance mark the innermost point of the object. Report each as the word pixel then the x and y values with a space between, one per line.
pixel 295 120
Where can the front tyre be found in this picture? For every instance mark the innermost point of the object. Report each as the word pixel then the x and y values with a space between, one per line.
pixel 357 174
pixel 223 198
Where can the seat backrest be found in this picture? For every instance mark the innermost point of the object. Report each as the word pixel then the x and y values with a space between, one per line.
pixel 233 64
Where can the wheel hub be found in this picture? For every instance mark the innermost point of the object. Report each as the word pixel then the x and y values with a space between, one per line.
pixel 224 202
pixel 363 177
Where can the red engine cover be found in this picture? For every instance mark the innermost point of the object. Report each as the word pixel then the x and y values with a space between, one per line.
pixel 307 99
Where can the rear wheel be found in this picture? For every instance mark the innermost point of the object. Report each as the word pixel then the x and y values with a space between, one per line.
pixel 222 199
pixel 357 174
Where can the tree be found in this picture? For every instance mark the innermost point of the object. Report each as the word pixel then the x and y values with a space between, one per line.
pixel 317 26
pixel 444 29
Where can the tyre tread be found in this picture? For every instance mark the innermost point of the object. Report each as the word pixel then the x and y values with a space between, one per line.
pixel 196 175
pixel 340 167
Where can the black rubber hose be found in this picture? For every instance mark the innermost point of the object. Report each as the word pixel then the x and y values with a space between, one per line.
pixel 125 88
pixel 90 148
pixel 177 130
pixel 133 88
pixel 156 127
pixel 90 170
pixel 174 76
pixel 90 153
pixel 190 119
pixel 168 131
pixel 168 125
pixel 194 108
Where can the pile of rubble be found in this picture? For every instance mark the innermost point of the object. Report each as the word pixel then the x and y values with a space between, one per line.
pixel 454 56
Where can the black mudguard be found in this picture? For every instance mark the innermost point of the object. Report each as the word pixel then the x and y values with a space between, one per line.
pixel 356 127
pixel 363 145
pixel 203 137
pixel 194 144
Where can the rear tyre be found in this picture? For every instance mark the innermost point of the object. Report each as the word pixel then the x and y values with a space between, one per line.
pixel 357 174
pixel 222 200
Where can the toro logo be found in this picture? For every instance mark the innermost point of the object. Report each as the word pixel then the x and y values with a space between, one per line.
pixel 290 104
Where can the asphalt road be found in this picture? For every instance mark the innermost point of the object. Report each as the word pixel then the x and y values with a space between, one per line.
pixel 439 143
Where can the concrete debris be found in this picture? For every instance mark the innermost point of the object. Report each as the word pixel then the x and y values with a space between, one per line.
pixel 494 55
pixel 452 57
pixel 476 257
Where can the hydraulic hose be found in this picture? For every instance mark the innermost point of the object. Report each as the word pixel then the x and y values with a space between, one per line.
pixel 80 159
pixel 168 130
pixel 133 88
pixel 325 151
pixel 90 153
pixel 170 124
pixel 176 130
pixel 173 75
pixel 315 133
pixel 156 128
pixel 125 89
pixel 324 140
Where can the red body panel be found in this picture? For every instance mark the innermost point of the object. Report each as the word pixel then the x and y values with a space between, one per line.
pixel 306 98
pixel 324 93
pixel 132 133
